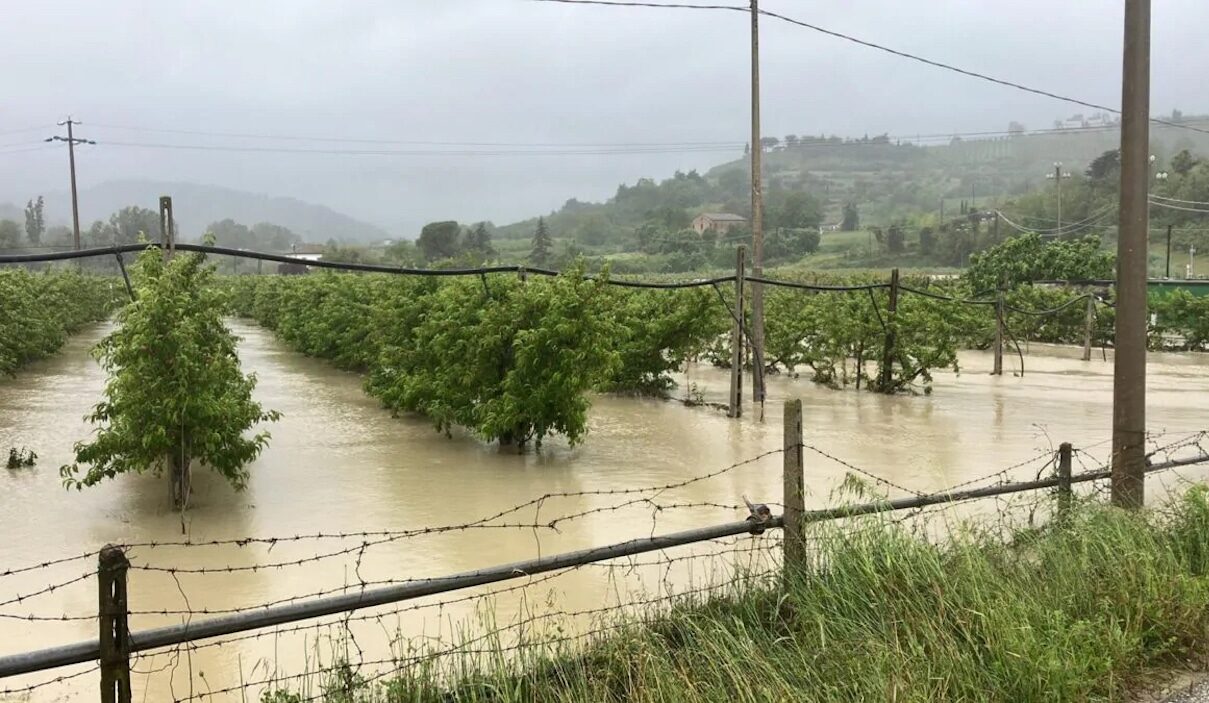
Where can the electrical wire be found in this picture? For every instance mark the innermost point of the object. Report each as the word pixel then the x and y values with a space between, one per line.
pixel 883 48
pixel 1169 206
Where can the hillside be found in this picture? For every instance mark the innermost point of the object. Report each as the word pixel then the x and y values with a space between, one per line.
pixel 195 206
pixel 888 181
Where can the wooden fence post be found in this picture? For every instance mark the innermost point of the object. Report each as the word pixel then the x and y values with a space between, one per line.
pixel 167 226
pixel 794 489
pixel 737 337
pixel 887 375
pixel 115 634
pixel 997 370
pixel 1089 323
pixel 1065 494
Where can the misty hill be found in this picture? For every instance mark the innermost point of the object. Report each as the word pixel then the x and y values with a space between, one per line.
pixel 195 206
pixel 8 211
pixel 887 180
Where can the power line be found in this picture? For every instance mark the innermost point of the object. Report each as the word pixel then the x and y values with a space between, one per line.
pixel 1178 207
pixel 1155 196
pixel 880 47
pixel 416 142
pixel 427 152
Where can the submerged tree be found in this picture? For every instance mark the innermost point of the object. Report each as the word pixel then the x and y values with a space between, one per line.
pixel 175 393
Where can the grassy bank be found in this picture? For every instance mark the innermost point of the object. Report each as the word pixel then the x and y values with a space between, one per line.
pixel 1081 613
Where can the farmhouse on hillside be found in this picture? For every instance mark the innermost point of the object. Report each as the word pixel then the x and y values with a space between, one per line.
pixel 720 222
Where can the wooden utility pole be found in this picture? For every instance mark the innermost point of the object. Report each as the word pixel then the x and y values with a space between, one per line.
pixel 1129 372
pixel 736 337
pixel 793 489
pixel 71 160
pixel 757 217
pixel 1168 275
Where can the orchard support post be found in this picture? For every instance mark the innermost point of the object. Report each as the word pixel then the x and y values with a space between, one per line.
pixel 794 490
pixel 888 351
pixel 1089 323
pixel 737 337
pixel 114 630
pixel 1065 493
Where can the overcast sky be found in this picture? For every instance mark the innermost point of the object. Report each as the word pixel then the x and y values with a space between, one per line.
pixel 524 72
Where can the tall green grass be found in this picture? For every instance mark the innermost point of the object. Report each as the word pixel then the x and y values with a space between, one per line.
pixel 1082 612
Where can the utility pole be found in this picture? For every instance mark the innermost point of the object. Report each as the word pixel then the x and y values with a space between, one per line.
pixel 1058 175
pixel 1168 251
pixel 1129 372
pixel 71 158
pixel 757 218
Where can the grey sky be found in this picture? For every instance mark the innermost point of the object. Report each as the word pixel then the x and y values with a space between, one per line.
pixel 514 71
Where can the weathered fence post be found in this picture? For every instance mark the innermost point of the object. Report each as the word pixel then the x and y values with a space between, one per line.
pixel 1089 323
pixel 167 226
pixel 1065 494
pixel 887 375
pixel 736 337
pixel 794 489
pixel 997 370
pixel 115 634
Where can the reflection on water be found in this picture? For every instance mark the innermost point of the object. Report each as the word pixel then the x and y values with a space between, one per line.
pixel 339 463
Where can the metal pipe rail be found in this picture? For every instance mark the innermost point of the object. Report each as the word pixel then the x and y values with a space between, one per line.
pixel 338 265
pixel 80 652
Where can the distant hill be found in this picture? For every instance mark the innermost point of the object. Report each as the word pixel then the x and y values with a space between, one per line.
pixel 888 180
pixel 8 211
pixel 195 206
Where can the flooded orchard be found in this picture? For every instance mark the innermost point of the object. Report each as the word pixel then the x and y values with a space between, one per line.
pixel 338 463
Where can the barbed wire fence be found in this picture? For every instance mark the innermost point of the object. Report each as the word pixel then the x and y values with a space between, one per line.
pixel 321 640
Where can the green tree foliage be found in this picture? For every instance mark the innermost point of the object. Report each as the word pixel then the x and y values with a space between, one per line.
pixel 477 242
pixel 511 361
pixel 539 255
pixel 175 394
pixel 794 210
pixel 1105 166
pixel 594 230
pixel 267 236
pixel 35 221
pixel 927 241
pixel 39 310
pixel 1183 162
pixel 895 241
pixel 10 234
pixel 439 240
pixel 852 218
pixel 1030 258
pixel 130 225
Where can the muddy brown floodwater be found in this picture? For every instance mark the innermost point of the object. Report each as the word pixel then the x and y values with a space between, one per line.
pixel 338 463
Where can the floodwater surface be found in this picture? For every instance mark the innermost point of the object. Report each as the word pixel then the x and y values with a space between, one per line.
pixel 339 464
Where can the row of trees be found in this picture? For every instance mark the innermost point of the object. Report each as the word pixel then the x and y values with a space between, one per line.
pixel 509 360
pixel 39 310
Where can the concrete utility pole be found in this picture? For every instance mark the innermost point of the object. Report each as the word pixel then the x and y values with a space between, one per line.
pixel 1129 372
pixel 1057 176
pixel 71 158
pixel 757 218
